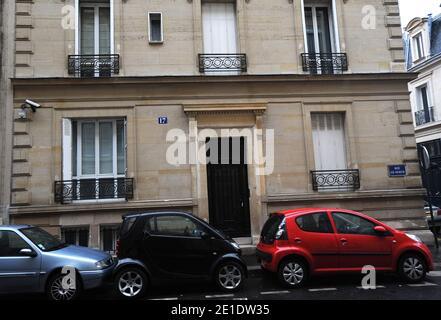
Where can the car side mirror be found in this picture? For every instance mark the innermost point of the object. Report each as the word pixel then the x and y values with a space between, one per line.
pixel 28 253
pixel 380 230
pixel 205 235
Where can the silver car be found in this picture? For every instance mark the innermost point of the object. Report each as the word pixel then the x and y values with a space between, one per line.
pixel 32 260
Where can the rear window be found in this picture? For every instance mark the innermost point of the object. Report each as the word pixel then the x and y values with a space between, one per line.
pixel 127 225
pixel 270 228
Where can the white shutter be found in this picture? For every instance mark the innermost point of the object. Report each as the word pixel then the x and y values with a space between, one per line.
pixel 219 28
pixel 67 149
pixel 329 141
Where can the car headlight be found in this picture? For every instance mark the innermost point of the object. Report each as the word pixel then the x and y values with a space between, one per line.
pixel 104 263
pixel 414 237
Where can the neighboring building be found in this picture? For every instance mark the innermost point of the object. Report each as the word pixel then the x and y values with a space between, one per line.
pixel 7 18
pixel 121 74
pixel 423 55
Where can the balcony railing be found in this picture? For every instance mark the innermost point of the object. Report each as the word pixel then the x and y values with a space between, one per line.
pixel 324 63
pixel 222 63
pixel 338 180
pixel 88 66
pixel 93 189
pixel 424 116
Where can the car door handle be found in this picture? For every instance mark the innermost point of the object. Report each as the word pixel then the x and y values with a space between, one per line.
pixel 344 241
pixel 298 240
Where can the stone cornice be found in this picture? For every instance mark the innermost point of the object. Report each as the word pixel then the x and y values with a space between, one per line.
pixel 256 108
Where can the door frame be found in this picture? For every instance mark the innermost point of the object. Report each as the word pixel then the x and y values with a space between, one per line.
pixel 233 117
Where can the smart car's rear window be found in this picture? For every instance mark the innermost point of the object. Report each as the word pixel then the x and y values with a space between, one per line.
pixel 127 225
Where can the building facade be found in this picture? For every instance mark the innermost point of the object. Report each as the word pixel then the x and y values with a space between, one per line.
pixel 7 27
pixel 423 55
pixel 136 95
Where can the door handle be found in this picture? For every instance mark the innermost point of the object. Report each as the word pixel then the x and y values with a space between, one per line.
pixel 344 241
pixel 298 240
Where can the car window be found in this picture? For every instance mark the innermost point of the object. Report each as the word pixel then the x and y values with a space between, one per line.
pixel 11 244
pixel 315 222
pixel 270 228
pixel 127 225
pixel 352 224
pixel 173 226
pixel 42 239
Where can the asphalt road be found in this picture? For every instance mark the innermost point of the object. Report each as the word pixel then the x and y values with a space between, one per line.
pixel 263 286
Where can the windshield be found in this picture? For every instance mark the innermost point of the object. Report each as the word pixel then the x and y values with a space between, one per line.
pixel 42 239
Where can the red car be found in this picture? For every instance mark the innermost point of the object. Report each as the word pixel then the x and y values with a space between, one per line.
pixel 300 243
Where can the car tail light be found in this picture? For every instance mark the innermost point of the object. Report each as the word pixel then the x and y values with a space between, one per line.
pixel 281 232
pixel 117 247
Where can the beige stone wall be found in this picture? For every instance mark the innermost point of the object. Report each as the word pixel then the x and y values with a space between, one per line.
pixel 269 32
pixel 379 132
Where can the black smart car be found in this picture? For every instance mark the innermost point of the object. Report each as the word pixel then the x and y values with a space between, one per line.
pixel 157 246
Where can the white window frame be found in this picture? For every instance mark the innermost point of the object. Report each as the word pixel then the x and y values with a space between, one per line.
pixel 333 24
pixel 97 174
pixel 418 43
pixel 149 14
pixel 420 103
pixel 78 6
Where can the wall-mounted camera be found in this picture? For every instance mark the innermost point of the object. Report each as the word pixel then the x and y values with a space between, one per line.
pixel 32 104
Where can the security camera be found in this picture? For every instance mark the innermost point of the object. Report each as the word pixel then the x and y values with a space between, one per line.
pixel 32 104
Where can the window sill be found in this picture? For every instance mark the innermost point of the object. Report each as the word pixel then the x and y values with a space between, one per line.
pixel 99 201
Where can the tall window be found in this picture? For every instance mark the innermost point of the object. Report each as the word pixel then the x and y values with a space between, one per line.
pixel 98 149
pixel 319 28
pixel 94 27
pixel 329 141
pixel 109 236
pixel 418 47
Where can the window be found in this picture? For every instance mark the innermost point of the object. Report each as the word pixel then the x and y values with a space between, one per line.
pixel 78 236
pixel 315 222
pixel 42 239
pixel 98 149
pixel 109 236
pixel 418 47
pixel 351 224
pixel 94 26
pixel 270 228
pixel 11 244
pixel 155 27
pixel 173 226
pixel 423 98
pixel 127 225
pixel 329 141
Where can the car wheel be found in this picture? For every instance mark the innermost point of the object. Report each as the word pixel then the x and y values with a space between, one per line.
pixel 293 273
pixel 230 276
pixel 131 283
pixel 57 290
pixel 412 268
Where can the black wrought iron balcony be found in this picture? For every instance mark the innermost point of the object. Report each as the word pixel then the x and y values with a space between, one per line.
pixel 339 180
pixel 324 63
pixel 424 116
pixel 222 63
pixel 89 66
pixel 93 189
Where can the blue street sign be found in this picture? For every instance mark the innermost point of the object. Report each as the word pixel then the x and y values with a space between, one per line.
pixel 162 120
pixel 397 170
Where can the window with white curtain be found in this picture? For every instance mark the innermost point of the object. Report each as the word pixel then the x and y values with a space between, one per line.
pixel 98 148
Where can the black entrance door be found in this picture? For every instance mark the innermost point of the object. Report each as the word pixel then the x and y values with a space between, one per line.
pixel 228 192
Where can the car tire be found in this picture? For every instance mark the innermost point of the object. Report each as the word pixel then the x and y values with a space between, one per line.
pixel 412 268
pixel 56 292
pixel 131 283
pixel 229 276
pixel 293 273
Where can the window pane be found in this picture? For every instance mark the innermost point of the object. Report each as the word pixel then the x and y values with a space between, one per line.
pixel 106 148
pixel 88 148
pixel 120 147
pixel 317 222
pixel 11 244
pixel 309 30
pixel 83 238
pixel 323 32
pixel 87 31
pixel 74 148
pixel 104 30
pixel 351 224
pixel 155 27
pixel 175 225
